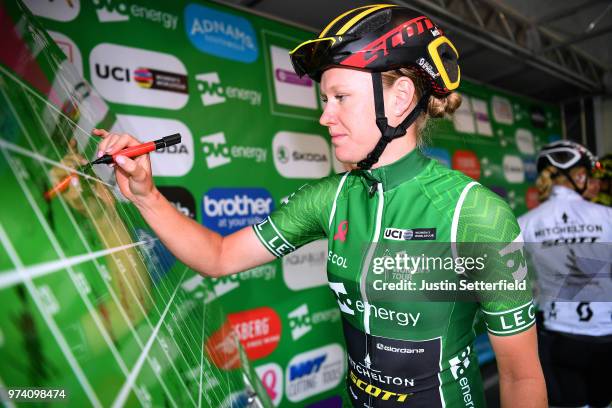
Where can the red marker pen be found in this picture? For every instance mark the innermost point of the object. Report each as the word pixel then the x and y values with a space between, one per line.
pixel 140 149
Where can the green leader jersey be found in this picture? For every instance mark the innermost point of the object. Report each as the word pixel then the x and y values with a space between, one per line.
pixel 407 347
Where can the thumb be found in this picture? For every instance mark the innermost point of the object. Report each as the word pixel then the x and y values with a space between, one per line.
pixel 131 167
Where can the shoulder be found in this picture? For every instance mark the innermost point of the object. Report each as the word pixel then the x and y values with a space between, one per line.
pixel 443 186
pixel 482 215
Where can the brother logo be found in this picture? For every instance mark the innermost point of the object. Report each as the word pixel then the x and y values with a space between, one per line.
pixel 226 210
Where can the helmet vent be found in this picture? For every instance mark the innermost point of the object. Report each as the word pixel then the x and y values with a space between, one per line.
pixel 372 22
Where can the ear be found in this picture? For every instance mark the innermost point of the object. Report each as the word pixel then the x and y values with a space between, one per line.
pixel 403 91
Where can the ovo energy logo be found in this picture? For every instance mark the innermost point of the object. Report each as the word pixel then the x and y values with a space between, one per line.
pixel 111 11
pixel 213 92
pixel 301 320
pixel 459 363
pixel 219 153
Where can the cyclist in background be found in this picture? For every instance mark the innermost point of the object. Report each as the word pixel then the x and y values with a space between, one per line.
pixel 383 70
pixel 568 241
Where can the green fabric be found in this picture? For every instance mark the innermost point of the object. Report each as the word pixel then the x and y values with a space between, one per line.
pixel 409 345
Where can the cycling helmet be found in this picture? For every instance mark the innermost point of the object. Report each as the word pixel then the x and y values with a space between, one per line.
pixel 380 38
pixel 565 155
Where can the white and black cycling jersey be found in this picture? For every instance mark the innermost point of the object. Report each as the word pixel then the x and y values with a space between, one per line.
pixel 569 241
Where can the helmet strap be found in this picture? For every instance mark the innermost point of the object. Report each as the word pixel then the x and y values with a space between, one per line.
pixel 580 191
pixel 388 133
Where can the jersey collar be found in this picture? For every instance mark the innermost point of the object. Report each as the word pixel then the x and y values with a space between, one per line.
pixel 565 193
pixel 398 172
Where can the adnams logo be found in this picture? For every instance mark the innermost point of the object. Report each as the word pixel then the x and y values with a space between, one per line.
pixel 300 155
pixel 173 161
pixel 213 92
pixel 221 34
pixel 135 76
pixel 226 210
pixel 218 152
pixel 112 11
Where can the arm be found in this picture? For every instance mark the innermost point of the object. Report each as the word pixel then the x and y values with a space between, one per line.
pixel 196 246
pixel 509 314
pixel 521 380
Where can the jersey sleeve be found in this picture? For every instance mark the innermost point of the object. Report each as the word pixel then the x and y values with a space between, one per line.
pixel 302 219
pixel 488 228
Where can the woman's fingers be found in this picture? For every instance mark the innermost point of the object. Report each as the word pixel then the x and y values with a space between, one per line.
pixel 113 143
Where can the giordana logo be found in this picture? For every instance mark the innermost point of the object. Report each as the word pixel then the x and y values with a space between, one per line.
pixel 306 267
pixel 55 10
pixel 221 34
pixel 301 320
pixel 314 372
pixel 289 89
pixel 69 48
pixel 135 76
pixel 460 363
pixel 112 11
pixel 173 161
pixel 415 234
pixel 466 162
pixel 218 152
pixel 514 171
pixel 300 155
pixel 213 92
pixel 346 304
pixel 180 198
pixel 271 376
pixel 226 210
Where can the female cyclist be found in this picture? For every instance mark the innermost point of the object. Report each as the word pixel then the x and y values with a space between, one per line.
pixel 383 70
pixel 568 242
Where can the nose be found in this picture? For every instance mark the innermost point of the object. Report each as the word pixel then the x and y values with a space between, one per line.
pixel 328 117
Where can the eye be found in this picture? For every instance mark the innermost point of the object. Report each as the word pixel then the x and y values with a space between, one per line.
pixel 339 97
pixel 323 99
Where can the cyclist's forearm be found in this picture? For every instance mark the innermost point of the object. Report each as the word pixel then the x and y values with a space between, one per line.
pixel 196 246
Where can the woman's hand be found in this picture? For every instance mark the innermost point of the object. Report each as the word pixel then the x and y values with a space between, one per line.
pixel 134 176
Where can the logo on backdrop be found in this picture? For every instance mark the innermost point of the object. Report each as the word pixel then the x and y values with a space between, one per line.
pixel 301 320
pixel 221 34
pixel 55 10
pixel 135 76
pixel 181 199
pixel 157 257
pixel 502 110
pixel 306 267
pixel 514 171
pixel 314 371
pixel 271 376
pixel 226 210
pixel 69 48
pixel 439 154
pixel 213 92
pixel 112 11
pixel 173 161
pixel 218 152
pixel 301 155
pixel 466 162
pixel 289 88
pixel 524 141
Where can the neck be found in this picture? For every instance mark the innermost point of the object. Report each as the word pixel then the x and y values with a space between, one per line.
pixel 397 149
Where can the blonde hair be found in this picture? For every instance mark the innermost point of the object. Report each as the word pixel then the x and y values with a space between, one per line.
pixel 550 177
pixel 437 106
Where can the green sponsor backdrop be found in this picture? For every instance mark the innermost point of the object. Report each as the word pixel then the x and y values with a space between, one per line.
pixel 222 78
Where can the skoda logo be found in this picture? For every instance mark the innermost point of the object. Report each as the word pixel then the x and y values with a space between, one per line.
pixel 408 234
pixel 282 154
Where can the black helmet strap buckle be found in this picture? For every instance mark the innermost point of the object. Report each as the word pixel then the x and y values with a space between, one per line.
pixel 389 133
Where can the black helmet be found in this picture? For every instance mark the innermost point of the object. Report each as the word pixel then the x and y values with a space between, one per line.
pixel 564 155
pixel 381 38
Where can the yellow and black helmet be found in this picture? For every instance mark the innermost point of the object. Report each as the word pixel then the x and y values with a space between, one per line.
pixel 380 38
